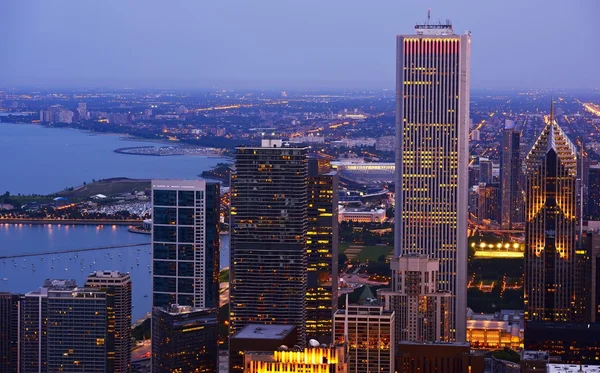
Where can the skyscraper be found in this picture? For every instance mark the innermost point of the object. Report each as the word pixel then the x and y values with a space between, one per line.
pixel 432 125
pixel 10 312
pixel 550 226
pixel 118 298
pixel 185 243
pixel 486 168
pixel 421 310
pixel 34 326
pixel 368 331
pixel 184 339
pixel 593 193
pixel 510 171
pixel 77 330
pixel 268 242
pixel 322 280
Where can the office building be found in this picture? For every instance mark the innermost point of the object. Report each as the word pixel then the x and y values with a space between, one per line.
pixel 591 242
pixel 433 357
pixel 185 243
pixel 574 343
pixel 118 298
pixel 258 338
pixel 488 203
pixel 315 359
pixel 322 242
pixel 432 130
pixel 77 330
pixel 184 339
pixel 593 193
pixel 486 168
pixel 269 223
pixel 34 326
pixel 550 226
pixel 10 314
pixel 421 310
pixel 368 331
pixel 510 176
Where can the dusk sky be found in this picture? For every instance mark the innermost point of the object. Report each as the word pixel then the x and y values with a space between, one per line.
pixel 278 44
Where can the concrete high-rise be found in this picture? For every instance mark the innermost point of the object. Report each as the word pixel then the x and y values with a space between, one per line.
pixel 118 298
pixel 269 223
pixel 432 125
pixel 510 177
pixel 550 226
pixel 185 243
pixel 322 241
pixel 10 315
pixel 421 310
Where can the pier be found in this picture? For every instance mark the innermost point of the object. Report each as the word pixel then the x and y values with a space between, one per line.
pixel 58 252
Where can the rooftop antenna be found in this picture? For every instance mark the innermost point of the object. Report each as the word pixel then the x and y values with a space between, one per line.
pixel 552 109
pixel 346 321
pixel 428 15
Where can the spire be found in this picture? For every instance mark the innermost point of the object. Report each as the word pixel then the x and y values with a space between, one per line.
pixel 552 109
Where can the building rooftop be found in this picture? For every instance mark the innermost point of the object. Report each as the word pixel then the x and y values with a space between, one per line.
pixel 534 355
pixel 259 331
pixel 572 368
pixel 451 344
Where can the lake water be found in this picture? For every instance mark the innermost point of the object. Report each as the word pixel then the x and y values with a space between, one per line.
pixel 41 160
pixel 28 274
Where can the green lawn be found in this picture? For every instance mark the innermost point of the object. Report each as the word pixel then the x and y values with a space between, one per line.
pixel 368 253
pixel 224 276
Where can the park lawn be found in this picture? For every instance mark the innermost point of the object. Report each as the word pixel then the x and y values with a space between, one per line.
pixel 368 253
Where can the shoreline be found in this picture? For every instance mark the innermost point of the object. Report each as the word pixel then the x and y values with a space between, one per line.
pixel 69 222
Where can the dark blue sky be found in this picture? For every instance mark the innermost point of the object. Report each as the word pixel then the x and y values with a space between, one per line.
pixel 285 44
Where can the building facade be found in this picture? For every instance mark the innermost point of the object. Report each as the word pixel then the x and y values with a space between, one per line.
pixel 185 243
pixel 310 360
pixel 438 358
pixel 184 339
pixel 269 221
pixel 593 193
pixel 10 316
pixel 432 125
pixel 34 326
pixel 322 244
pixel 368 332
pixel 510 176
pixel 118 300
pixel 488 203
pixel 77 330
pixel 421 310
pixel 550 227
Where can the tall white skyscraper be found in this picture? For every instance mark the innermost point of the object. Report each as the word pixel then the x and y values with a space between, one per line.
pixel 432 125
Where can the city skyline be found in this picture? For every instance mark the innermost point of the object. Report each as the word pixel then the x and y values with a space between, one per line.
pixel 286 46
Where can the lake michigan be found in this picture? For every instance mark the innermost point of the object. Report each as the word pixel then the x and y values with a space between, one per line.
pixel 39 160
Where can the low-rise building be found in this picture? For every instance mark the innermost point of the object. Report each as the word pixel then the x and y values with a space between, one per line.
pixel 362 215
